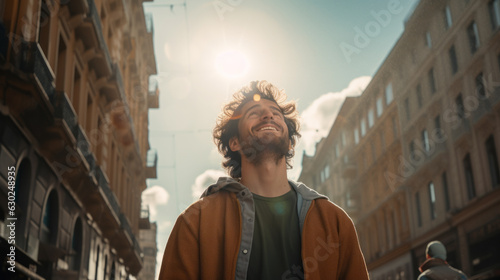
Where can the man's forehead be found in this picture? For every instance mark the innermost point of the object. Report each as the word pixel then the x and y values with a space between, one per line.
pixel 258 103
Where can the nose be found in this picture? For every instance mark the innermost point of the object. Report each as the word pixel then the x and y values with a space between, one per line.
pixel 267 114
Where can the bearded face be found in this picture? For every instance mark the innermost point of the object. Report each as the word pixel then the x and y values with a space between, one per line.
pixel 257 147
pixel 263 132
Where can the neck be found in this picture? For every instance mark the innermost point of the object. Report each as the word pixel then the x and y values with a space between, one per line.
pixel 268 178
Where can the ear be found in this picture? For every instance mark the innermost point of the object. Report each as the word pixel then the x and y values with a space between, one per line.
pixel 234 144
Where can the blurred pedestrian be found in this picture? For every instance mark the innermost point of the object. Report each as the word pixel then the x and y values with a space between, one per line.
pixel 435 267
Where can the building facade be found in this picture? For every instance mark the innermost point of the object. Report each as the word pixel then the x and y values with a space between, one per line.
pixel 424 139
pixel 147 240
pixel 75 91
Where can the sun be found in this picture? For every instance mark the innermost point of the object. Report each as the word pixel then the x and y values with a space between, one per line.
pixel 232 64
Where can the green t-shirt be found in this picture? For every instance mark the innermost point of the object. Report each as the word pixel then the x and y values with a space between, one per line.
pixel 275 250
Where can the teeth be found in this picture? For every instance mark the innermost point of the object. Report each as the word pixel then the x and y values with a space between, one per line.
pixel 268 128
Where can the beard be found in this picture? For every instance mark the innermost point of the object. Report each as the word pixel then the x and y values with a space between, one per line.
pixel 257 149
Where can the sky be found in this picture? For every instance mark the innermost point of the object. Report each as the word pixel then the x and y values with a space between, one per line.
pixel 318 51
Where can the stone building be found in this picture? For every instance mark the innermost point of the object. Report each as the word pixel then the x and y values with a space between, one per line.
pixel 75 93
pixel 147 240
pixel 415 157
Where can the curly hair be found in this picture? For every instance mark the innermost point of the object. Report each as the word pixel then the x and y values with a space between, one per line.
pixel 227 122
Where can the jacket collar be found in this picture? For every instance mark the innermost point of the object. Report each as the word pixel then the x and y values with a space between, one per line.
pixel 232 185
pixel 432 262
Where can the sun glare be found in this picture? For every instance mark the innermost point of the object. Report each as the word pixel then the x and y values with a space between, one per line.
pixel 232 64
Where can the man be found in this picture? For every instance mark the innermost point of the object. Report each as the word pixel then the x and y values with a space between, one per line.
pixel 258 224
pixel 436 267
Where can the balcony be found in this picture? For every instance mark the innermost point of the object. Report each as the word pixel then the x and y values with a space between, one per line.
pixel 30 59
pixel 151 164
pixel 91 185
pixel 154 96
pixel 144 219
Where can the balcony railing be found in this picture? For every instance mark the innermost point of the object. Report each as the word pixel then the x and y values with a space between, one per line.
pixel 94 15
pixel 30 59
pixel 64 110
pixel 144 219
pixel 154 96
pixel 128 230
pixel 103 183
pixel 151 164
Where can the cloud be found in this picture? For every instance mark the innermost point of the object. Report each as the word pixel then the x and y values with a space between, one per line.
pixel 154 196
pixel 318 118
pixel 205 179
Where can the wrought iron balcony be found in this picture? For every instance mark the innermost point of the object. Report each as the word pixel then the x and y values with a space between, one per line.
pixel 151 164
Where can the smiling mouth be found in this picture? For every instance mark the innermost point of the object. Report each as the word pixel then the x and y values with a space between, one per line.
pixel 267 128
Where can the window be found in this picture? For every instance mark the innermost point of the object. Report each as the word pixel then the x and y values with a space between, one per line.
pixel 446 193
pixel 374 153
pixel 419 96
pixel 437 126
pixel 411 148
pixel 382 140
pixel 89 122
pixel 371 118
pixel 459 102
pixel 473 35
pixel 394 127
pixel 356 136
pixel 480 89
pixel 417 205
pixel 337 150
pixel 76 94
pixel 380 106
pixel 432 200
pixel 494 8
pixel 388 230
pixel 76 246
pixel 425 140
pixel 343 139
pixel 97 262
pixel 50 219
pixel 363 127
pixel 447 17
pixel 428 40
pixel 432 81
pixel 388 94
pixel 453 60
pixel 105 266
pixel 61 70
pixel 113 272
pixel 407 108
pixel 491 152
pixel 469 177
pixel 44 28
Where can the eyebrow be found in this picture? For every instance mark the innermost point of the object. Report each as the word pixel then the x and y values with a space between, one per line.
pixel 259 105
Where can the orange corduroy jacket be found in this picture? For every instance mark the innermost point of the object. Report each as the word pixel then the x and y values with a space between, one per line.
pixel 211 239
